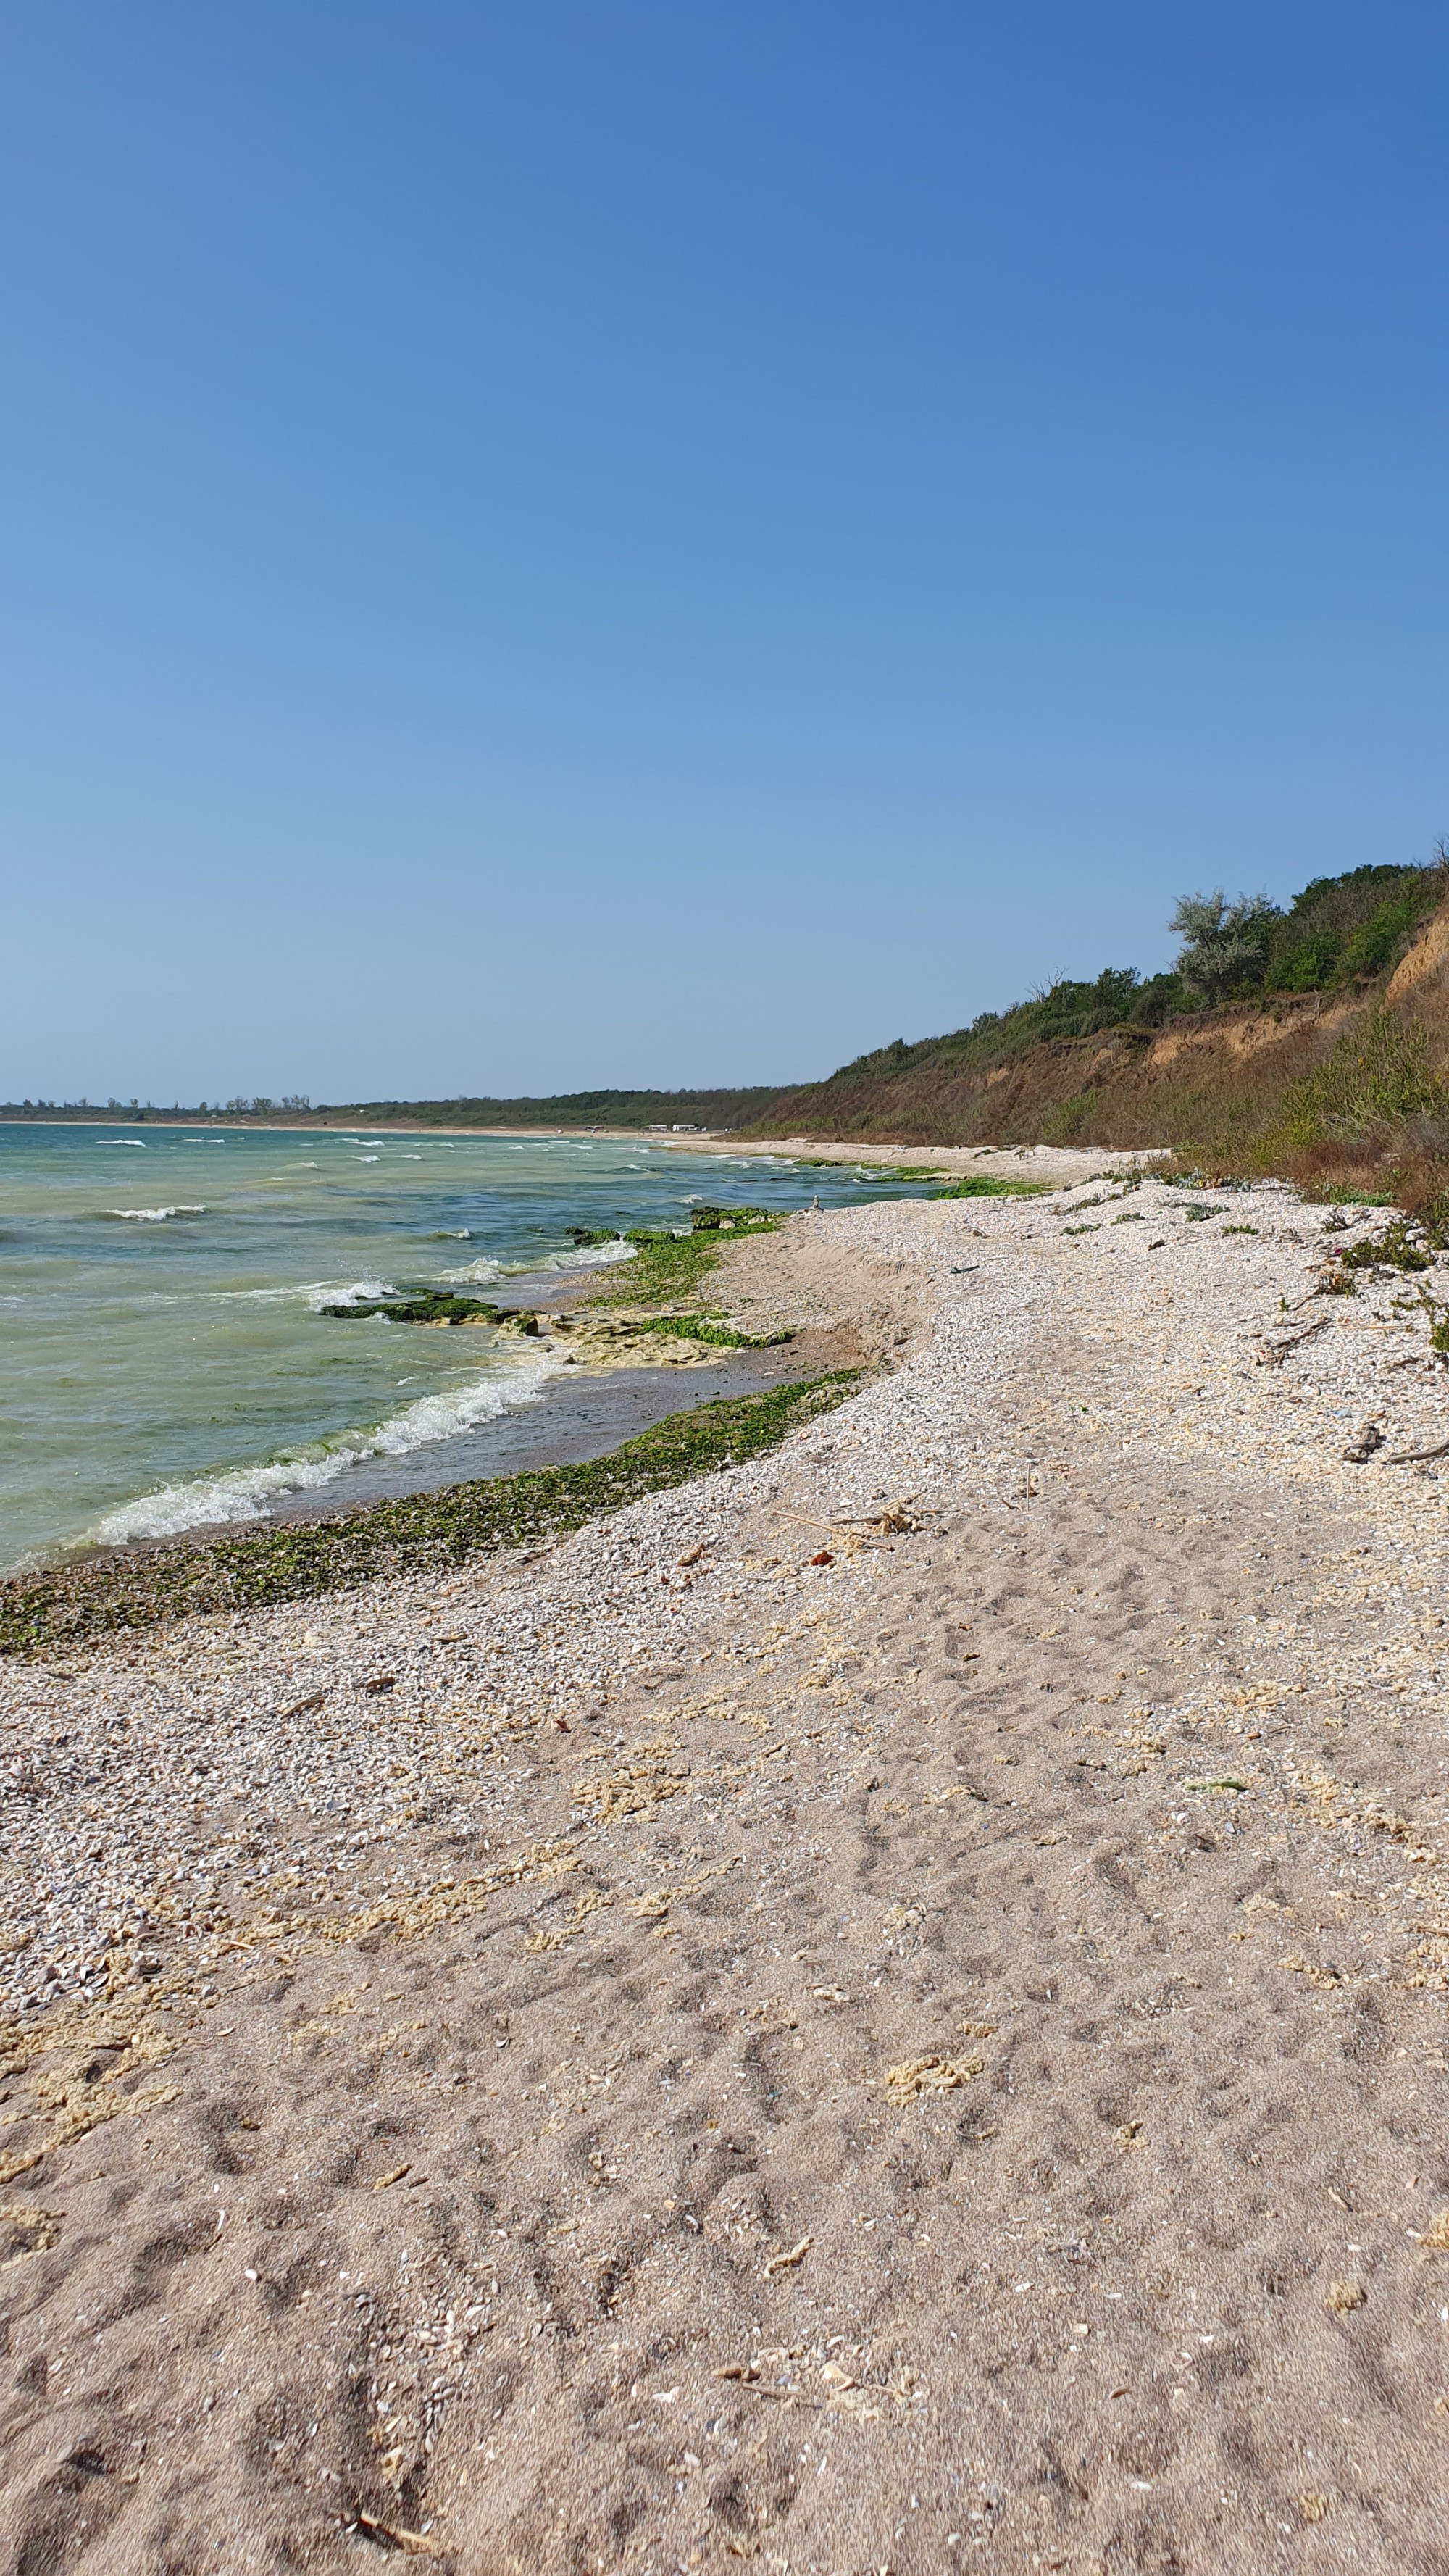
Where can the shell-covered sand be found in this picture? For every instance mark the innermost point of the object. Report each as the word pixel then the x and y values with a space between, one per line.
pixel 885 2009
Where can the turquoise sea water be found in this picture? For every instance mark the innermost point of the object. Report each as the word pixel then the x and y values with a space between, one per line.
pixel 164 1363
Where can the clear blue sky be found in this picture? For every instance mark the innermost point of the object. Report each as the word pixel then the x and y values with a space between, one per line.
pixel 645 541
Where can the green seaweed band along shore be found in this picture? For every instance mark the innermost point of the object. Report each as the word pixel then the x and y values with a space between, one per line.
pixel 167 1363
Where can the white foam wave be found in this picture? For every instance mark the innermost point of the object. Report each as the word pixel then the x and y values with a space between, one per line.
pixel 592 1256
pixel 481 1273
pixel 345 1292
pixel 248 1493
pixel 318 1293
pixel 138 1141
pixel 157 1216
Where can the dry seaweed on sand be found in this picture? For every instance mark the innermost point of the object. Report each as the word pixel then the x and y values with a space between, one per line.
pixel 933 2074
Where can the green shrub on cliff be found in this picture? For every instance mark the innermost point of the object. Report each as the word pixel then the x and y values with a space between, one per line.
pixel 1377 1078
pixel 1225 945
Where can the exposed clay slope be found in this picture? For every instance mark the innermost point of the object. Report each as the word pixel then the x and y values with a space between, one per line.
pixel 1210 1073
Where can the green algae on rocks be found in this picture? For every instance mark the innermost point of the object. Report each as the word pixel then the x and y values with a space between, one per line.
pixel 986 1185
pixel 712 1329
pixel 429 1306
pixel 437 1307
pixel 416 1534
pixel 666 1267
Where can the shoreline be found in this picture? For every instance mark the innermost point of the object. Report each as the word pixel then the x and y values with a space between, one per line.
pixel 618 1376
pixel 1063 1163
pixel 767 1955
pixel 318 1456
pixel 420 1533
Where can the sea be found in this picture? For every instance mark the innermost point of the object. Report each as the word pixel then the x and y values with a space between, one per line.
pixel 164 1361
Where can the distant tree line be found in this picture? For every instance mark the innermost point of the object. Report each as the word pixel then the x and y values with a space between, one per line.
pixel 633 1110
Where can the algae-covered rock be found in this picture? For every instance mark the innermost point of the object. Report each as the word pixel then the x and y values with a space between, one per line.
pixel 705 1219
pixel 431 1307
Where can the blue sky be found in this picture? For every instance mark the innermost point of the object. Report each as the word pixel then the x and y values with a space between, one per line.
pixel 640 543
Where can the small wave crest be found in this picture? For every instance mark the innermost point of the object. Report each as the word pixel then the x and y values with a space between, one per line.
pixel 157 1216
pixel 248 1493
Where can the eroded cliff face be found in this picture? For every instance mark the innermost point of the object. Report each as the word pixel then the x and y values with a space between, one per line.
pixel 1422 980
pixel 1216 1072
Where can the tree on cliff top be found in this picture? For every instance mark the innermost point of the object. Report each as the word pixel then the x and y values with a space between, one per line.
pixel 1225 945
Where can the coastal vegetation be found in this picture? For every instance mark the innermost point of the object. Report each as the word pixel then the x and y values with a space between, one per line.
pixel 664 1267
pixel 416 1534
pixel 1310 1040
pixel 1338 933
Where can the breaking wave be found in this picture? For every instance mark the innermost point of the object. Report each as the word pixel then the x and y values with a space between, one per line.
pixel 157 1216
pixel 247 1493
pixel 346 1292
pixel 477 1274
pixel 592 1256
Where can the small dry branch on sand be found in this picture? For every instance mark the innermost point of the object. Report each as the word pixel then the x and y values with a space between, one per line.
pixel 1273 1354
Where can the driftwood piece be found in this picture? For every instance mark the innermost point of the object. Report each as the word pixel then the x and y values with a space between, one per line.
pixel 1273 1354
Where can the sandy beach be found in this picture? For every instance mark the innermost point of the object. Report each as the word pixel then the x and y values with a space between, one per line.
pixel 884 2009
